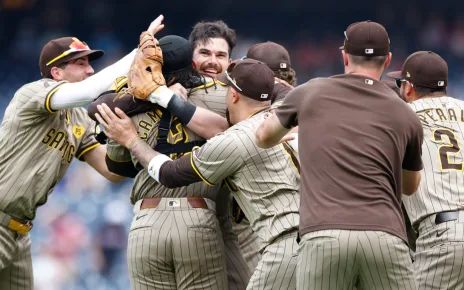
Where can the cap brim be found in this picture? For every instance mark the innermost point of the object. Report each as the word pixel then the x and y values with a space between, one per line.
pixel 92 54
pixel 395 75
pixel 342 47
pixel 223 79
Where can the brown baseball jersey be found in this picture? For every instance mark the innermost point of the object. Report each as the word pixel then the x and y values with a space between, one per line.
pixel 442 180
pixel 37 146
pixel 365 136
pixel 357 137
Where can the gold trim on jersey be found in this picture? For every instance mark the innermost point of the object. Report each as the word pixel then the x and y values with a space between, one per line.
pixel 48 97
pixel 118 84
pixel 120 161
pixel 209 85
pixel 196 169
pixel 91 147
pixel 291 153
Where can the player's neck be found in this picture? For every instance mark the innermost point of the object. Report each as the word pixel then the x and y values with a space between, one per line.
pixel 248 111
pixel 369 73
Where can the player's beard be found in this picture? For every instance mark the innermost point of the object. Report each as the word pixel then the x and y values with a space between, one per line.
pixel 213 66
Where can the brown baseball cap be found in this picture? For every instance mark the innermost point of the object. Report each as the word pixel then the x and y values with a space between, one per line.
pixel 272 54
pixel 366 38
pixel 64 49
pixel 252 78
pixel 425 69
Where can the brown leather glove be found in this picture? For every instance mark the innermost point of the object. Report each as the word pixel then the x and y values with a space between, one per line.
pixel 145 74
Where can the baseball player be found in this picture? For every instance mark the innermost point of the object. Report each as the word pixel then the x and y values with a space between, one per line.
pixel 264 182
pixel 436 208
pixel 362 150
pixel 42 130
pixel 185 273
pixel 212 44
pixel 277 58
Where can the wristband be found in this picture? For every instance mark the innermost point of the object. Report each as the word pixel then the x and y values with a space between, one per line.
pixel 181 109
pixel 132 141
pixel 155 165
pixel 161 96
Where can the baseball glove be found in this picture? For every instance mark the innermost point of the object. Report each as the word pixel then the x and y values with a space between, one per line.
pixel 145 74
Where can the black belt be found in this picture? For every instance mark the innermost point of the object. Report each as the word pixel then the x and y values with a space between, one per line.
pixel 446 216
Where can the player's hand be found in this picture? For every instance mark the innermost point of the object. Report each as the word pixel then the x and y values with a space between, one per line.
pixel 288 137
pixel 284 83
pixel 119 128
pixel 156 25
pixel 179 90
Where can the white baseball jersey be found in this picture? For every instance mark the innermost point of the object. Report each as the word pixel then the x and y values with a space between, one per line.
pixel 442 184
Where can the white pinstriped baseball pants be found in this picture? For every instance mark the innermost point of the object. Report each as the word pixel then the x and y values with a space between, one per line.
pixel 344 259
pixel 15 261
pixel 439 257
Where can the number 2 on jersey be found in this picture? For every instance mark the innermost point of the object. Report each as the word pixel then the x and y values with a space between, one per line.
pixel 449 148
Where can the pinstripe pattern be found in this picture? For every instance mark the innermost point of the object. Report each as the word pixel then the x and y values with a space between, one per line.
pixel 266 186
pixel 36 148
pixel 178 269
pixel 439 260
pixel 238 272
pixel 213 98
pixel 439 256
pixel 15 261
pixel 267 183
pixel 249 243
pixel 440 190
pixel 343 259
pixel 176 248
pixel 277 267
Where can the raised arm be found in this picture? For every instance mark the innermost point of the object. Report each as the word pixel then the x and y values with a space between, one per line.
pixel 72 95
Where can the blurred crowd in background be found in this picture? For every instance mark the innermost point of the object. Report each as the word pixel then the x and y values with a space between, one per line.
pixel 80 235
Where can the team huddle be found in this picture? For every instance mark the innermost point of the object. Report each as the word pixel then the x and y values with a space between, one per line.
pixel 226 192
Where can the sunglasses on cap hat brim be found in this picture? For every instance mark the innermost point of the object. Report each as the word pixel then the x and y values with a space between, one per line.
pixel 229 70
pixel 399 81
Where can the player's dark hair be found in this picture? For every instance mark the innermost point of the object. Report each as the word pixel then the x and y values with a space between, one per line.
pixel 289 76
pixel 424 91
pixel 203 31
pixel 189 78
pixel 61 65
pixel 368 61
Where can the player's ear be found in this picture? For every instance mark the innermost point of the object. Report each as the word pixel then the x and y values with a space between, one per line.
pixel 345 58
pixel 389 58
pixel 57 73
pixel 409 92
pixel 230 60
pixel 235 95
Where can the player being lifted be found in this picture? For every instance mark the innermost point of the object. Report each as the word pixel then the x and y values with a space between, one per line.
pixel 43 129
pixel 265 182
